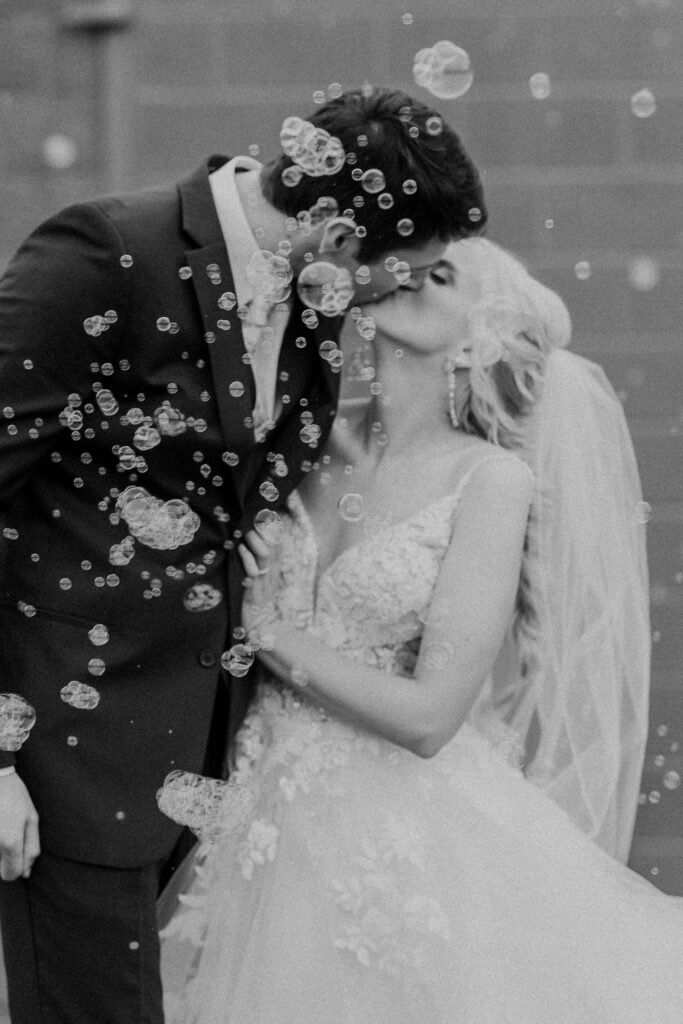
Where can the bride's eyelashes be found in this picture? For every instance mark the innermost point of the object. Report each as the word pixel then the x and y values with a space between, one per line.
pixel 443 273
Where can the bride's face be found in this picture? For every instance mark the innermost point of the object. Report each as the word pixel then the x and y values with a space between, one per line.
pixel 431 315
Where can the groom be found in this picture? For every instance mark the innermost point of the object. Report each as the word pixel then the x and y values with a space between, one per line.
pixel 161 388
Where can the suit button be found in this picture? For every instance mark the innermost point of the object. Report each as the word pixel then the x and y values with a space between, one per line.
pixel 206 659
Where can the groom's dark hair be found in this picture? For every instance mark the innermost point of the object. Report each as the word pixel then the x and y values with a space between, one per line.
pixel 408 142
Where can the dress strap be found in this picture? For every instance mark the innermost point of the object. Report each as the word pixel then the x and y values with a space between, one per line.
pixel 498 456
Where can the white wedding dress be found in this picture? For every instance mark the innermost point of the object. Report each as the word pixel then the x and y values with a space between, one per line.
pixel 369 886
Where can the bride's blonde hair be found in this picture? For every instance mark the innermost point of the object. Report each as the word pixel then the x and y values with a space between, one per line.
pixel 513 327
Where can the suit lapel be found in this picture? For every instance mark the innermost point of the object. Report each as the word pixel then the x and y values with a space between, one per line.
pixel 309 377
pixel 213 285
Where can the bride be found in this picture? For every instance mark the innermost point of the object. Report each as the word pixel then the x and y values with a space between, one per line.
pixel 436 784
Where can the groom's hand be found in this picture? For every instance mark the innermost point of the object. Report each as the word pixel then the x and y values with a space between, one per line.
pixel 19 839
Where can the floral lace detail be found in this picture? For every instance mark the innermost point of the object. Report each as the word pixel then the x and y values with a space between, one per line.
pixel 385 919
pixel 371 604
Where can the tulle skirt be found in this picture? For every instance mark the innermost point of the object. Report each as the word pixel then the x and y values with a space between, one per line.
pixel 372 887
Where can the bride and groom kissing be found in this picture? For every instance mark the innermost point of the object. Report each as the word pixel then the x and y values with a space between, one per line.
pixel 382 854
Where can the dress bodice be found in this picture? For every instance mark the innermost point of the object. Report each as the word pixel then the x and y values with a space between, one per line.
pixel 373 600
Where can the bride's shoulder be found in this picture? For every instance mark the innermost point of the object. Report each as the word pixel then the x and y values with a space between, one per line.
pixel 491 473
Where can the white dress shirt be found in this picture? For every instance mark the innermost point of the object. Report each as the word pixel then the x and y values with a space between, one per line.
pixel 262 345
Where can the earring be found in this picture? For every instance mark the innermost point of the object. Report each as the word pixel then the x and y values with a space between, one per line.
pixel 450 367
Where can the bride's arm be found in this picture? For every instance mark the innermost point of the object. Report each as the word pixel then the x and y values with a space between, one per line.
pixel 474 596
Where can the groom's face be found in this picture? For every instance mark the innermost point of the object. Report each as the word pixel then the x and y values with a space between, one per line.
pixel 398 268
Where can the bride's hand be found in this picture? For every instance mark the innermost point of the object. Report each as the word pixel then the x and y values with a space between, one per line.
pixel 260 566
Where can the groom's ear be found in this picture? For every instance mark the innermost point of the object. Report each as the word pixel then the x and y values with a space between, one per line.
pixel 339 238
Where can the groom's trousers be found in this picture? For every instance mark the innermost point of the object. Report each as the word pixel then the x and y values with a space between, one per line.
pixel 80 944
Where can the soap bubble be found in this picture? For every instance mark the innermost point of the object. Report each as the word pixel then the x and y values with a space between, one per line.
pixel 17 718
pixel 163 525
pixel 236 389
pixel 126 261
pixel 269 526
pixel 351 507
pixel 583 270
pixel 405 227
pixel 385 201
pixel 99 635
pixel 444 70
pixel 434 125
pixel 59 151
pixel 238 660
pixel 372 181
pixel 643 273
pixel 643 103
pixel 80 695
pixel 106 402
pixel 410 186
pixel 96 667
pixel 437 654
pixel 325 287
pixel 211 808
pixel 672 780
pixel 292 175
pixel 402 271
pixel 201 597
pixel 642 513
pixel 539 85
pixel 146 437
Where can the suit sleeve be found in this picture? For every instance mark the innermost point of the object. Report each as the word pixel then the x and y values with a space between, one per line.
pixel 65 274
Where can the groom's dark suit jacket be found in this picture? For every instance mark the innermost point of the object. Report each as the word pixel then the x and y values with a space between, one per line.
pixel 93 774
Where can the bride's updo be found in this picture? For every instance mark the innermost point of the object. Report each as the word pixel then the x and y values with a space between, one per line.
pixel 512 329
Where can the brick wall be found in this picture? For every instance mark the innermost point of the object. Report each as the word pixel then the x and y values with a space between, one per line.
pixel 575 176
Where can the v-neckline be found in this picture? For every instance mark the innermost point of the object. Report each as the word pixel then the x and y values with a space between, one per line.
pixel 320 575
pixel 454 496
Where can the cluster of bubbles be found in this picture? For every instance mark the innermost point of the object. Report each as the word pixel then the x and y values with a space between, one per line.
pixel 671 777
pixel 98 635
pixel 17 718
pixel 326 288
pixel 96 325
pixel 80 695
pixel 238 659
pixel 122 552
pixel 270 275
pixel 201 597
pixel 211 808
pixel 443 69
pixel 163 525
pixel 312 150
pixel 170 422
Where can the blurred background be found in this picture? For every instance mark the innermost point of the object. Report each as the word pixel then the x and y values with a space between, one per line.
pixel 575 119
